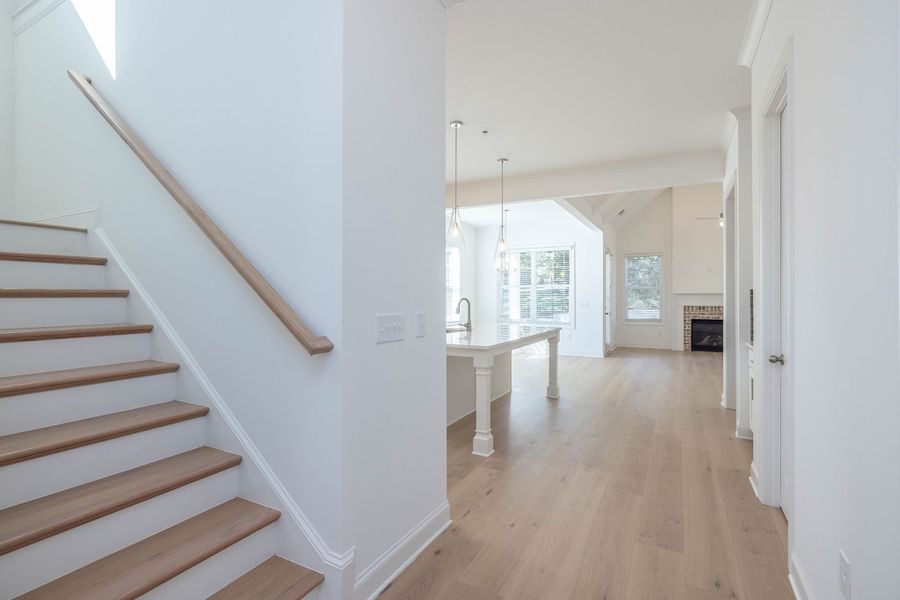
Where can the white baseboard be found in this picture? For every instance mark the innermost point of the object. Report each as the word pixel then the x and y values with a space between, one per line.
pixel 754 480
pixel 743 432
pixel 249 450
pixel 494 399
pixel 88 218
pixel 644 346
pixel 797 579
pixel 374 578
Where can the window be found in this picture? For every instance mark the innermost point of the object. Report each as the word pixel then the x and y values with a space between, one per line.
pixel 451 282
pixel 643 287
pixel 538 287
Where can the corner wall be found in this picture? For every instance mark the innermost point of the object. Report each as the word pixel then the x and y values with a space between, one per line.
pixel 393 262
pixel 846 489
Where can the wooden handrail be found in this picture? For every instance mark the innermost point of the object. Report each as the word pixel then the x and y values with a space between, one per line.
pixel 314 344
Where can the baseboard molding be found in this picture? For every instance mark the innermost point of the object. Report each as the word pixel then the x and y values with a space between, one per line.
pixel 797 579
pixel 88 218
pixel 494 399
pixel 754 480
pixel 582 354
pixel 743 432
pixel 250 451
pixel 644 346
pixel 374 578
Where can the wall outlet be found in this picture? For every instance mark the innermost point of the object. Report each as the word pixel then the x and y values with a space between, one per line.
pixel 420 324
pixel 844 575
pixel 390 328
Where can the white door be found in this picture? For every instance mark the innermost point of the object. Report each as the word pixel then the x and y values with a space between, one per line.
pixel 608 321
pixel 785 287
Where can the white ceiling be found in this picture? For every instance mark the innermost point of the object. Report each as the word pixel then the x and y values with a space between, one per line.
pixel 567 83
pixel 615 210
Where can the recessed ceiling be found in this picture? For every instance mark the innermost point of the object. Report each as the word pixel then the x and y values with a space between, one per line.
pixel 567 83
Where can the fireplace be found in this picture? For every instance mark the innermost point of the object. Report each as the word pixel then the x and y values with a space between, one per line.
pixel 706 335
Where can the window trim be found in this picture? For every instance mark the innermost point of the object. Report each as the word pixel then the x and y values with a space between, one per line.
pixel 662 289
pixel 572 291
pixel 447 253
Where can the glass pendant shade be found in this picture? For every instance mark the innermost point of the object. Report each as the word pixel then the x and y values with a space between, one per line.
pixel 501 254
pixel 455 236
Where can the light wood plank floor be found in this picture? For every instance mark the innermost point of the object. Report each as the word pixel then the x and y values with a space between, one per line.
pixel 631 486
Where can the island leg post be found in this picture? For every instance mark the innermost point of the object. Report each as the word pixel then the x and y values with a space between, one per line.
pixel 483 443
pixel 553 384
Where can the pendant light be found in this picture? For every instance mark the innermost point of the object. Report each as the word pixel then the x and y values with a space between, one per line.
pixel 501 256
pixel 455 237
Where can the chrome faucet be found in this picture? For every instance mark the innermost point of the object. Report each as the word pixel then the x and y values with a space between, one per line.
pixel 468 312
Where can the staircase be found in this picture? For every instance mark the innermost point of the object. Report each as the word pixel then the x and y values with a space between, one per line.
pixel 107 489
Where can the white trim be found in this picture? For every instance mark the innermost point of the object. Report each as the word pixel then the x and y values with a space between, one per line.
pixel 743 432
pixel 327 555
pixel 377 576
pixel 768 291
pixel 797 579
pixel 647 346
pixel 754 32
pixel 754 480
pixel 88 217
pixel 32 12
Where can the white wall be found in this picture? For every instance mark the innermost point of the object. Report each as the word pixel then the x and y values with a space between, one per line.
pixel 697 263
pixel 846 447
pixel 313 134
pixel 6 109
pixel 648 232
pixel 393 253
pixel 548 224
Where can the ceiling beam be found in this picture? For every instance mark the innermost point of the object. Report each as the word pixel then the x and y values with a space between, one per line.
pixel 608 178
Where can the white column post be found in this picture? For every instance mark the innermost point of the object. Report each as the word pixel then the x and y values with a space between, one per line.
pixel 553 384
pixel 483 443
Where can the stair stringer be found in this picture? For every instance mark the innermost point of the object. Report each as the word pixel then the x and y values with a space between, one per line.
pixel 297 538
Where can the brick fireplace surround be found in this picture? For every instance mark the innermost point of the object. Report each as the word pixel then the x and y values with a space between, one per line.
pixel 715 313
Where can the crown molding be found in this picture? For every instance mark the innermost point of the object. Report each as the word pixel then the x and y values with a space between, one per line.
pixel 754 31
pixel 29 12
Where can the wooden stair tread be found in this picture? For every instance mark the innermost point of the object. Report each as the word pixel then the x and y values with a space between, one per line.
pixel 66 259
pixel 62 293
pixel 274 579
pixel 139 568
pixel 42 225
pixel 52 380
pixel 41 518
pixel 26 445
pixel 33 334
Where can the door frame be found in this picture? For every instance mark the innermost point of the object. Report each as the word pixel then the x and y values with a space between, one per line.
pixel 609 300
pixel 773 337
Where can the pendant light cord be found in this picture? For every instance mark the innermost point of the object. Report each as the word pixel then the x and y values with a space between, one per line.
pixel 455 169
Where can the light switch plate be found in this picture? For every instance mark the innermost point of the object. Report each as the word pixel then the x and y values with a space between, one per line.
pixel 390 328
pixel 420 324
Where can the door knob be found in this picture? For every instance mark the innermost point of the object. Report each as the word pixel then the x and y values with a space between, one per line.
pixel 776 359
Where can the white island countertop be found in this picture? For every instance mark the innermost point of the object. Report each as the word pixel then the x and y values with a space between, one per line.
pixel 496 336
pixel 482 344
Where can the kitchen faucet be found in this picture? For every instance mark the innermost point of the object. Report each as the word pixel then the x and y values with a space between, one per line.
pixel 468 312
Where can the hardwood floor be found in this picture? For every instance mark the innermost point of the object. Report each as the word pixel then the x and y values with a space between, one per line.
pixel 630 486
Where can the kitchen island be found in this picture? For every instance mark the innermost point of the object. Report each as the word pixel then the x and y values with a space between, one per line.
pixel 483 344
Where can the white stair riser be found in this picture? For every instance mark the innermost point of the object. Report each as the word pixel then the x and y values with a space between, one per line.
pixel 44 561
pixel 42 409
pixel 50 312
pixel 16 274
pixel 18 358
pixel 30 479
pixel 220 569
pixel 16 238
